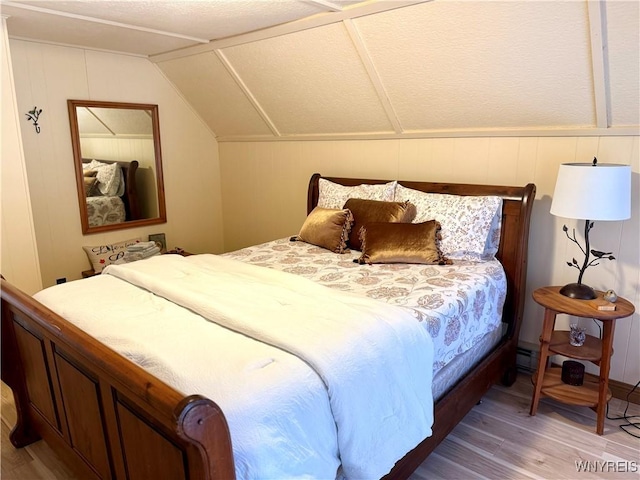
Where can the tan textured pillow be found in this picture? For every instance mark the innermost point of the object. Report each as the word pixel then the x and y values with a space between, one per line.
pixel 402 243
pixel 328 228
pixel 367 211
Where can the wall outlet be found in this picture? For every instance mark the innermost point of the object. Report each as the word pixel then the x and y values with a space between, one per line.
pixel 61 280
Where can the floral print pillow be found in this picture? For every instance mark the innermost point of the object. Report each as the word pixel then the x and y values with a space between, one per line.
pixel 334 195
pixel 466 220
pixel 493 240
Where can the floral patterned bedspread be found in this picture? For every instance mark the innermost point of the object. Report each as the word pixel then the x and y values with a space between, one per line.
pixel 458 304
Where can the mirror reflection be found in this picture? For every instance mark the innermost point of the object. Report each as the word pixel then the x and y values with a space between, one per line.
pixel 118 164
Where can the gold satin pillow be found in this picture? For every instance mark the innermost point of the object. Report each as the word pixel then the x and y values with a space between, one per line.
pixel 366 211
pixel 328 228
pixel 89 185
pixel 90 182
pixel 402 243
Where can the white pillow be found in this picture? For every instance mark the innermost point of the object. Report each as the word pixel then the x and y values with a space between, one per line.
pixel 466 221
pixel 102 255
pixel 493 239
pixel 334 195
pixel 110 177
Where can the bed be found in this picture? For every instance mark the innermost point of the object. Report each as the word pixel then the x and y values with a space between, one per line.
pixel 114 199
pixel 127 423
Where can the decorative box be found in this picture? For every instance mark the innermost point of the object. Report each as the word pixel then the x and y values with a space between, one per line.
pixel 572 372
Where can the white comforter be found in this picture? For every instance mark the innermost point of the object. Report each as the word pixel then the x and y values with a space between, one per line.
pixel 286 419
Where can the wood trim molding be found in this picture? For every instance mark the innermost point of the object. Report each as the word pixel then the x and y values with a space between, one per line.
pixel 325 3
pixel 598 29
pixel 252 99
pixel 621 390
pixel 461 133
pixel 376 81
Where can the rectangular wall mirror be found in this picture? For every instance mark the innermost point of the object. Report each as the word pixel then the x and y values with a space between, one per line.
pixel 118 164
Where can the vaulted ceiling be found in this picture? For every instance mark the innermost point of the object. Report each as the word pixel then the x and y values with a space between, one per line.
pixel 294 69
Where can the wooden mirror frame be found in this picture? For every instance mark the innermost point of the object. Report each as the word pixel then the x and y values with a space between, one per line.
pixel 77 156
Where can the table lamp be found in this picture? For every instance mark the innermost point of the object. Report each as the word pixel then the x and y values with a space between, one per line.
pixel 590 191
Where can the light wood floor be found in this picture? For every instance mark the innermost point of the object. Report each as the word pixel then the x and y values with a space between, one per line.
pixel 496 440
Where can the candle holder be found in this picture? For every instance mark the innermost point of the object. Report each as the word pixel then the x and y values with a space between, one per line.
pixel 577 335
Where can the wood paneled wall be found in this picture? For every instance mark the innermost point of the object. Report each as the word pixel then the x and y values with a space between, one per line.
pixel 19 254
pixel 264 188
pixel 47 76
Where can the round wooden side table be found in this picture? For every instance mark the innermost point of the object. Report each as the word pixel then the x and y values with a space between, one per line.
pixel 547 381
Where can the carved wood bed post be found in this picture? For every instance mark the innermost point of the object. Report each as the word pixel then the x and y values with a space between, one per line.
pixel 199 420
pixel 23 432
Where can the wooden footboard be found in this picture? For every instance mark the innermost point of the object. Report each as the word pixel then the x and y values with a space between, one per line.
pixel 105 416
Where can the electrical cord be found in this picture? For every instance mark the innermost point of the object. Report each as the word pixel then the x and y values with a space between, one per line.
pixel 599 327
pixel 626 427
pixel 624 415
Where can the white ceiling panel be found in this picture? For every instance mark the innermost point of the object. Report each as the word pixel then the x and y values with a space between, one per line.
pixel 207 19
pixel 114 121
pixel 311 82
pixel 450 64
pixel 90 123
pixel 623 33
pixel 37 25
pixel 213 93
pixel 278 69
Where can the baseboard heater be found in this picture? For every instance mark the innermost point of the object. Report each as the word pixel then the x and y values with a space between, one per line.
pixel 527 358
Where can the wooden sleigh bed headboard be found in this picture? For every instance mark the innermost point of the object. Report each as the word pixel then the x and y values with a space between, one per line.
pixel 514 236
pixel 108 418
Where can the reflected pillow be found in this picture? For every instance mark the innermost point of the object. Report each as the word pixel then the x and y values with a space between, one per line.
pixel 334 195
pixel 102 255
pixel 110 177
pixel 466 220
pixel 402 243
pixel 366 211
pixel 327 228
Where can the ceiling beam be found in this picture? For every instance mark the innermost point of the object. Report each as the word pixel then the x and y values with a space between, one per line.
pixel 597 30
pixel 325 4
pixel 444 133
pixel 234 74
pixel 374 76
pixel 355 11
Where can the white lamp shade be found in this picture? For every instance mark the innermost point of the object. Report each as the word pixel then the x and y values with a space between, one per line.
pixel 588 192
